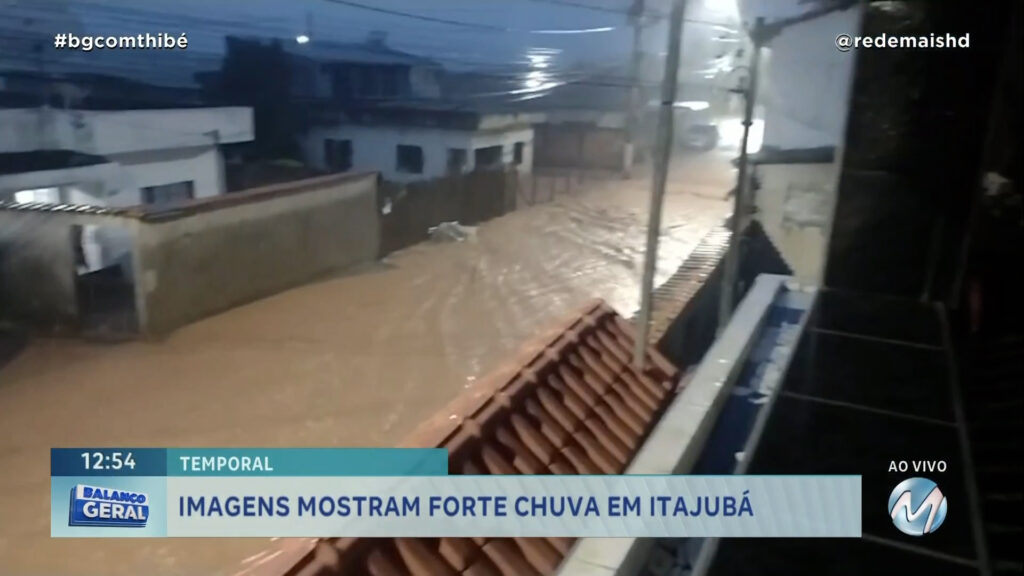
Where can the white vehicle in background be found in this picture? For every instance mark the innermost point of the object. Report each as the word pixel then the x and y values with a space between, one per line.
pixel 696 128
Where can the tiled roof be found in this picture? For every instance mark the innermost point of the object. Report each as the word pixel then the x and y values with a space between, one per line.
pixel 570 403
pixel 672 296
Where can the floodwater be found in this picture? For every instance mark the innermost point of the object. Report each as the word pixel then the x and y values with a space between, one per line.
pixel 355 360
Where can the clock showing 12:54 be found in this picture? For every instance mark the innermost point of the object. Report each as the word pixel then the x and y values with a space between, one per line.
pixel 108 460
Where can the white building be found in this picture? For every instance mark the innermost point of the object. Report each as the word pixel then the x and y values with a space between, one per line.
pixel 805 98
pixel 406 145
pixel 138 156
pixel 116 159
pixel 804 92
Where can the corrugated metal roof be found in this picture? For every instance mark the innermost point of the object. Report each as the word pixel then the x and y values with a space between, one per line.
pixel 180 210
pixel 569 403
pixel 68 209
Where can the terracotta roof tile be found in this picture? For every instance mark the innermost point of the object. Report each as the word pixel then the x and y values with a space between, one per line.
pixel 671 297
pixel 570 402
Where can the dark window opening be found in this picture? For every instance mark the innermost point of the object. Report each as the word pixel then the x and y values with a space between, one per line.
pixel 389 82
pixel 517 153
pixel 456 160
pixel 168 193
pixel 338 154
pixel 409 159
pixel 488 157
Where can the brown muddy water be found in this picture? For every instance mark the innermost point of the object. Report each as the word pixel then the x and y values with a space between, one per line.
pixel 355 360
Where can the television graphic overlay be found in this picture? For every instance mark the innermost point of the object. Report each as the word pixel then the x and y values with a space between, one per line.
pixel 107 507
pixel 917 506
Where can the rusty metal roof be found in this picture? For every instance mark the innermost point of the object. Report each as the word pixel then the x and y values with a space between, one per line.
pixel 569 403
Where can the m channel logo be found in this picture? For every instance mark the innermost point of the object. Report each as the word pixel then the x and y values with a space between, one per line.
pixel 917 506
pixel 108 507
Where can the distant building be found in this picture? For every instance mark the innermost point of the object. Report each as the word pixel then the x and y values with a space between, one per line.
pixel 578 125
pixel 148 156
pixel 116 159
pixel 345 73
pixel 368 72
pixel 419 142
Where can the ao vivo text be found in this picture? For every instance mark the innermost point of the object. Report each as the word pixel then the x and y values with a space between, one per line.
pixel 917 466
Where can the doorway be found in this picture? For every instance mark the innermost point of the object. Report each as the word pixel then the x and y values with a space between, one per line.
pixel 104 281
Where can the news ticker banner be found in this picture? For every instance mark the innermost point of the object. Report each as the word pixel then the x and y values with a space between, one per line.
pixel 407 493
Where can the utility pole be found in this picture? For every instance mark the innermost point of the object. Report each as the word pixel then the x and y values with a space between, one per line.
pixel 739 212
pixel 633 115
pixel 662 157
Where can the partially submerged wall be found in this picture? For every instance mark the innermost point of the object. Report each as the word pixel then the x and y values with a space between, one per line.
pixel 580 146
pixel 37 269
pixel 410 210
pixel 231 250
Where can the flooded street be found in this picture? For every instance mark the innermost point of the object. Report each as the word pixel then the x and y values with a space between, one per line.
pixel 355 360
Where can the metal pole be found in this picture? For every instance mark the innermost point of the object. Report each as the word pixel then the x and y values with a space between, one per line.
pixel 662 156
pixel 732 257
pixel 633 114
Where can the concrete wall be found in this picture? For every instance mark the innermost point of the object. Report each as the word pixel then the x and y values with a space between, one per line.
pixel 203 165
pixel 469 198
pixel 37 263
pixel 795 203
pixel 805 93
pixel 251 244
pixel 374 148
pixel 37 269
pixel 423 82
pixel 101 177
pixel 581 146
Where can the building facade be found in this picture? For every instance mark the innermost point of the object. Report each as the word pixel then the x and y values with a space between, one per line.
pixel 148 156
pixel 416 144
pixel 115 159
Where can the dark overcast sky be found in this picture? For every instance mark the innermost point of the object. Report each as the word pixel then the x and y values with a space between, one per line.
pixel 206 22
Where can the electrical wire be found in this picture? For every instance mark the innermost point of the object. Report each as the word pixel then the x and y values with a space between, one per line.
pixel 462 23
pixel 138 15
pixel 604 9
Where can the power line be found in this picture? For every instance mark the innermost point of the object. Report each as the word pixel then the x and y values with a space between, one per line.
pixel 461 23
pixel 604 9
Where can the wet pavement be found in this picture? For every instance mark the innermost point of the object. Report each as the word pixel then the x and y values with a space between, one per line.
pixel 355 360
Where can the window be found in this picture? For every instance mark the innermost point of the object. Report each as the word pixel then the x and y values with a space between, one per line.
pixel 168 193
pixel 456 160
pixel 517 153
pixel 338 154
pixel 389 82
pixel 41 195
pixel 409 159
pixel 488 157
